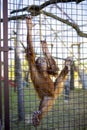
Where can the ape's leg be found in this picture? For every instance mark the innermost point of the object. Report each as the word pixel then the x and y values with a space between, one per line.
pixel 45 105
pixel 48 101
pixel 59 82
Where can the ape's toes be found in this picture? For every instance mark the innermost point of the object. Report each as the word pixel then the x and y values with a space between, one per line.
pixel 35 118
pixel 68 61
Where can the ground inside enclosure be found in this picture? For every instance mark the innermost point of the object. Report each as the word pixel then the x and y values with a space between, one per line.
pixel 71 115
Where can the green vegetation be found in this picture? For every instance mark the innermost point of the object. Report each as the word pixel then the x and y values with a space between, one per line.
pixel 71 115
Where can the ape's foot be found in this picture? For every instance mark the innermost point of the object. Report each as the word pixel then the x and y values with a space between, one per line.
pixel 68 62
pixel 36 118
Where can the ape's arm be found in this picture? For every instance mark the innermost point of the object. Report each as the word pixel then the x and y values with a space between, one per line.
pixel 30 50
pixel 52 67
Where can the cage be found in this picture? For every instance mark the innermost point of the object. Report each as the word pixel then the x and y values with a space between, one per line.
pixel 56 32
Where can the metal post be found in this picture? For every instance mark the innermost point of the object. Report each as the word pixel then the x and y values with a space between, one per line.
pixel 72 77
pixel 5 46
pixel 0 76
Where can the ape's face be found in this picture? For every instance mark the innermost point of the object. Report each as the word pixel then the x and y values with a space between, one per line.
pixel 41 63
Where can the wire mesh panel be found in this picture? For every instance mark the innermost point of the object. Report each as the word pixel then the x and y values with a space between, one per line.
pixel 49 92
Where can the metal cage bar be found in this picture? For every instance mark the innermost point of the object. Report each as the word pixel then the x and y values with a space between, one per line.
pixel 0 77
pixel 5 47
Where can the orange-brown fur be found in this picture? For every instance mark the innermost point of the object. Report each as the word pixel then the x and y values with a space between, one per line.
pixel 52 67
pixel 47 90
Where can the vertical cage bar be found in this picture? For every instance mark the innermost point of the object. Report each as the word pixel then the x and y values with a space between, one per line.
pixel 0 76
pixel 5 41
